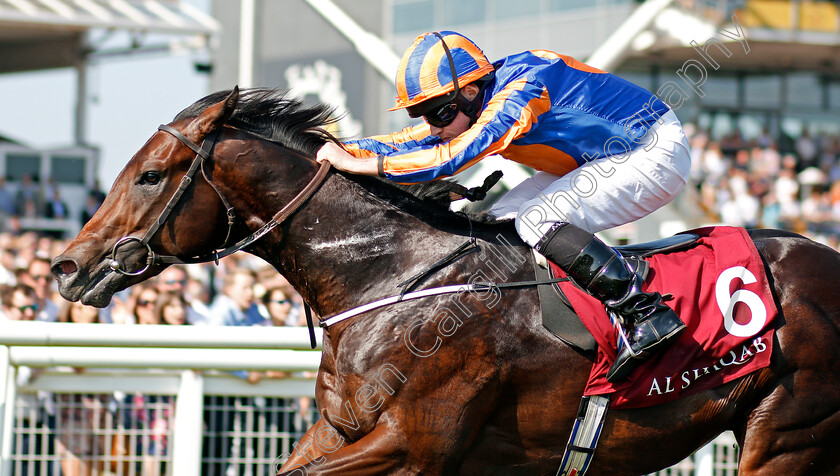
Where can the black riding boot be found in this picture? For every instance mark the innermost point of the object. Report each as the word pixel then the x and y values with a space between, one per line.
pixel 602 272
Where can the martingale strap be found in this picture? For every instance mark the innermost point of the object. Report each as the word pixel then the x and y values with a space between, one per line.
pixel 455 288
pixel 468 247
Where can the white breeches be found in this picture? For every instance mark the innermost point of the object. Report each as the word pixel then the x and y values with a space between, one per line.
pixel 605 192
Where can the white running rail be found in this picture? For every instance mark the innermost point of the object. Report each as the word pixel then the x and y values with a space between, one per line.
pixel 185 348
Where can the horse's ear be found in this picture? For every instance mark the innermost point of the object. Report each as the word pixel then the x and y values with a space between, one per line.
pixel 216 115
pixel 230 103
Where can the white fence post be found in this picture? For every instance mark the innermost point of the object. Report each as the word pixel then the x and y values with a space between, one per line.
pixel 8 394
pixel 704 461
pixel 187 435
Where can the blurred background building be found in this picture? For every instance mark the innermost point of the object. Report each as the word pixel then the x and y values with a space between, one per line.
pixel 749 67
pixel 74 35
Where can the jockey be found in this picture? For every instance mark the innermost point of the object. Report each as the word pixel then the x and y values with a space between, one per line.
pixel 606 151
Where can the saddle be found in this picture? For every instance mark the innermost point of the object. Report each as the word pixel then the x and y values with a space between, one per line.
pixel 559 317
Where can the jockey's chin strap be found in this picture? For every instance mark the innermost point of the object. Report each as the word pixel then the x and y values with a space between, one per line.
pixel 203 153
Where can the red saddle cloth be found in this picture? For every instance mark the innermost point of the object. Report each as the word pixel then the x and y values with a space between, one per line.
pixel 722 294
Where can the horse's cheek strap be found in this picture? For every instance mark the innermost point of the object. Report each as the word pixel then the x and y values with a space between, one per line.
pixel 186 180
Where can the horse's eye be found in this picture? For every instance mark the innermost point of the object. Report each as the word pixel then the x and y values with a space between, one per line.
pixel 149 178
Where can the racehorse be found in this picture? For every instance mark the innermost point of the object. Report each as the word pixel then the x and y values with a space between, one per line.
pixel 408 388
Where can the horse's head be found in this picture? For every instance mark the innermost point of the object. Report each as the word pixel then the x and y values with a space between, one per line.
pixel 112 251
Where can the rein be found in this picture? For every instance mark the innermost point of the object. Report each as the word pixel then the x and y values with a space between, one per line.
pixel 202 153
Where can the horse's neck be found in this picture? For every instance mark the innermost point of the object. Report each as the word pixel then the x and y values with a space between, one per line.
pixel 347 247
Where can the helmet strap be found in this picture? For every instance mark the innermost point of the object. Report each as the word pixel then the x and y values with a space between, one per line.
pixel 472 107
pixel 452 69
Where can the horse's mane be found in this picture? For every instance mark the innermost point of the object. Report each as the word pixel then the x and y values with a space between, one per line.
pixel 272 115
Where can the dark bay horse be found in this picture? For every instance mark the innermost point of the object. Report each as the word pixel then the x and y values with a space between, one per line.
pixel 443 385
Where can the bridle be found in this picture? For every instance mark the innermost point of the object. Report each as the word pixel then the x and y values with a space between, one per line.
pixel 203 153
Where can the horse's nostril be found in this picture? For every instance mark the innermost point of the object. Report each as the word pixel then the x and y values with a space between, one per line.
pixel 67 267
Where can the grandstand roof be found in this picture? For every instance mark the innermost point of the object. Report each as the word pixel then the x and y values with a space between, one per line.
pixel 783 37
pixel 768 53
pixel 39 34
pixel 4 139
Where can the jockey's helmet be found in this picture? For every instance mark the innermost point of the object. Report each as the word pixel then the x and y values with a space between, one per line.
pixel 426 69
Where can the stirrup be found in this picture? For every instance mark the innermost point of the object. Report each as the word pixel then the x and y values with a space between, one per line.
pixel 630 359
pixel 622 335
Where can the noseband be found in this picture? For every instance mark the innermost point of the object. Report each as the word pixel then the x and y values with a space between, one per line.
pixel 202 154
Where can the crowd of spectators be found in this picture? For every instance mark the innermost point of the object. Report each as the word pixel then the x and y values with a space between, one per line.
pixel 241 291
pixel 42 199
pixel 756 183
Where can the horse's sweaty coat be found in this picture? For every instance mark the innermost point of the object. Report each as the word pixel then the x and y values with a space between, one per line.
pixel 501 394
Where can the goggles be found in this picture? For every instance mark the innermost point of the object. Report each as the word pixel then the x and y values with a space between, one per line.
pixel 442 116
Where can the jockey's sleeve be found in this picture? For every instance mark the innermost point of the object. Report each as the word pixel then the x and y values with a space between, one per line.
pixel 508 116
pixel 406 139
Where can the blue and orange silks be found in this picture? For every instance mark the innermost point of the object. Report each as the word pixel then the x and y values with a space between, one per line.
pixel 544 110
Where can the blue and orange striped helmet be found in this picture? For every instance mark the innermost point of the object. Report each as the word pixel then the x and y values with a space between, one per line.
pixel 426 72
